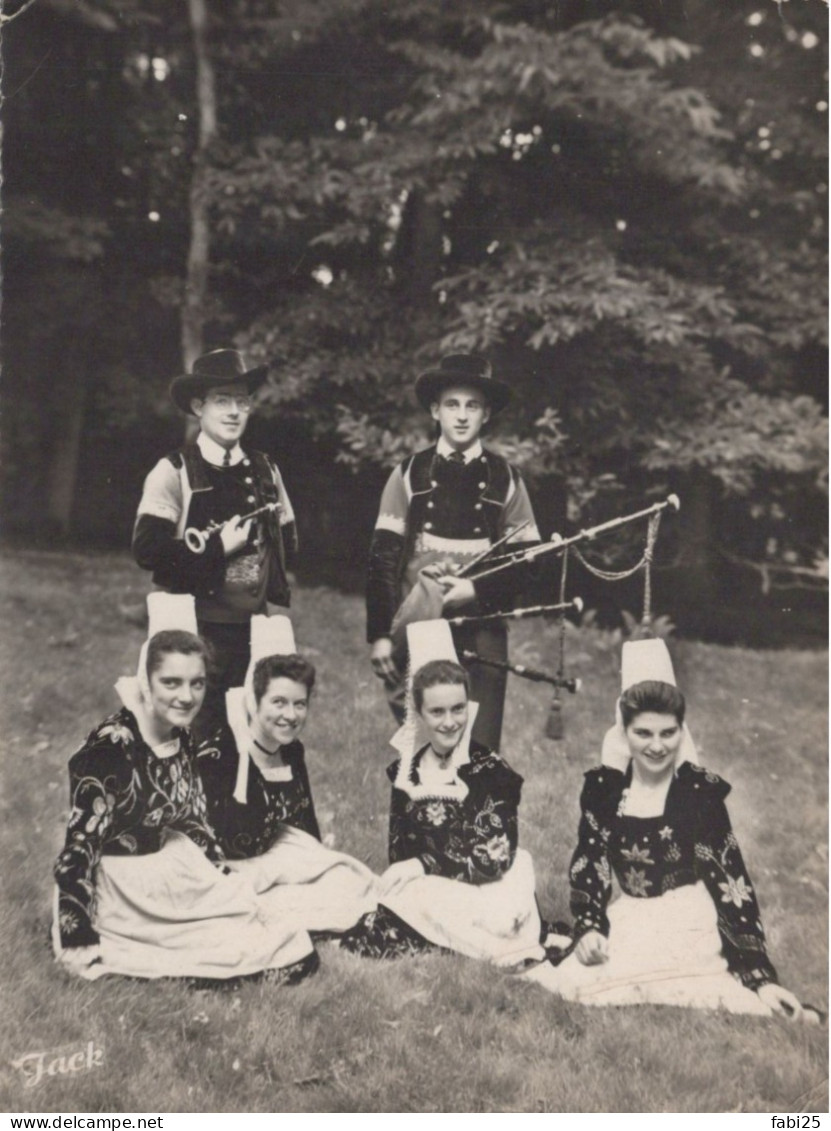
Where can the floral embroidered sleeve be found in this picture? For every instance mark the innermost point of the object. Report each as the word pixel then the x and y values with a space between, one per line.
pixel 404 842
pixel 491 831
pixel 102 784
pixel 590 872
pixel 306 817
pixel 719 863
pixel 195 823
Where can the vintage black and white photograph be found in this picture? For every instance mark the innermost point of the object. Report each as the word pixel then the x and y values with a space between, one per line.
pixel 414 650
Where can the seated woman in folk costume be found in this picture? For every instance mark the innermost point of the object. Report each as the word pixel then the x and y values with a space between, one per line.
pixel 457 879
pixel 259 798
pixel 142 888
pixel 686 929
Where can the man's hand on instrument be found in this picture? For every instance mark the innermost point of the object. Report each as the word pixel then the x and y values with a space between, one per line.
pixel 234 537
pixel 382 662
pixel 440 569
pixel 456 590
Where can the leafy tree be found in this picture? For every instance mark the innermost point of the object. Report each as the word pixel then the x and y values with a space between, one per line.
pixel 623 203
pixel 588 200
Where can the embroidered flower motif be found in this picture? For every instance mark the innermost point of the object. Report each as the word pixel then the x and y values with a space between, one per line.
pixel 179 784
pixel 604 872
pixel 665 833
pixel 621 809
pixel 497 850
pixel 637 883
pixel 578 865
pixel 154 817
pixel 673 853
pixel 118 732
pixel 68 922
pixel 736 891
pixel 637 855
pixel 435 813
pixel 605 834
pixel 102 808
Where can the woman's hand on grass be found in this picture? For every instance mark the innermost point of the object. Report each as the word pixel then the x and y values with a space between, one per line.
pixel 78 958
pixel 592 949
pixel 781 1001
pixel 398 875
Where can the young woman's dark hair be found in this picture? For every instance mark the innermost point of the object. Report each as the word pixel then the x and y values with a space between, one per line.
pixel 434 673
pixel 169 640
pixel 652 695
pixel 294 667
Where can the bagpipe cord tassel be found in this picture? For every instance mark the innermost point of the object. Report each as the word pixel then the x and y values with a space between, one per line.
pixel 554 726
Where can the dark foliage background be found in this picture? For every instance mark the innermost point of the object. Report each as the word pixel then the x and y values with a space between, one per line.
pixel 622 203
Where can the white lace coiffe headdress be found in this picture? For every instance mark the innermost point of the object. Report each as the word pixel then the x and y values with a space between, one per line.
pixel 642 660
pixel 165 611
pixel 270 636
pixel 427 640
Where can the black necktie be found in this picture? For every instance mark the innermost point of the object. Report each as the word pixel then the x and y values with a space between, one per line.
pixel 455 457
pixel 226 459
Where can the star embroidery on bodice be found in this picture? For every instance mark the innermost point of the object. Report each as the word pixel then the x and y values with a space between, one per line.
pixel 637 855
pixel 637 883
pixel 665 833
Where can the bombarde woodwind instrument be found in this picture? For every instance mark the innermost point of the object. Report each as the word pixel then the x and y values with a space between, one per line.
pixel 197 540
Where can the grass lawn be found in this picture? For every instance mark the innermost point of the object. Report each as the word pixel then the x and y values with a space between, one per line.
pixel 435 1033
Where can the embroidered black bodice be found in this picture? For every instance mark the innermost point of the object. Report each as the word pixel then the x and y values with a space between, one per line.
pixel 122 798
pixel 692 840
pixel 250 829
pixel 473 839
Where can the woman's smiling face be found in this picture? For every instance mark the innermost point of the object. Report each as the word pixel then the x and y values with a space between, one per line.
pixel 653 741
pixel 282 710
pixel 177 689
pixel 444 711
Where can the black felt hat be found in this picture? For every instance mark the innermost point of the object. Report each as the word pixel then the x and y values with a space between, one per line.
pixel 462 369
pixel 219 367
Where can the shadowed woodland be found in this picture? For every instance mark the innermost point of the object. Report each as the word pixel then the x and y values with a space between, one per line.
pixel 623 204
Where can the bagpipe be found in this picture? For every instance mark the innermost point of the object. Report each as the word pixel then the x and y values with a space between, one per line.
pixel 426 599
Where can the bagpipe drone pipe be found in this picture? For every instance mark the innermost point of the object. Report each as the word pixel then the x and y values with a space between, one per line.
pixel 426 600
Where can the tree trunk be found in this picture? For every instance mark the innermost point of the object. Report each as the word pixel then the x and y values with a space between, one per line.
pixel 198 261
pixel 419 248
pixel 695 585
pixel 63 466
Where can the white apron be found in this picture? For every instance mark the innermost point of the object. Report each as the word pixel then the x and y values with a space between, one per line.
pixel 662 951
pixel 172 913
pixel 497 922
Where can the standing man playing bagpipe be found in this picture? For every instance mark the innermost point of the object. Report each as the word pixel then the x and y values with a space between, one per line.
pixel 188 529
pixel 440 509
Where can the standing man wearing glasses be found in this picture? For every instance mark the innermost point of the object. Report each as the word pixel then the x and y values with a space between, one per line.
pixel 212 482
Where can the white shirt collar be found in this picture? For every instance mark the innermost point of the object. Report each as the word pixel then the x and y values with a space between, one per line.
pixel 214 453
pixel 473 452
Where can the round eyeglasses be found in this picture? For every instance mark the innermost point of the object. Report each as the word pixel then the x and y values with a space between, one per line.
pixel 226 403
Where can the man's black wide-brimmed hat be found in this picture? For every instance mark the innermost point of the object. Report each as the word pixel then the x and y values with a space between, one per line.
pixel 219 367
pixel 462 369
